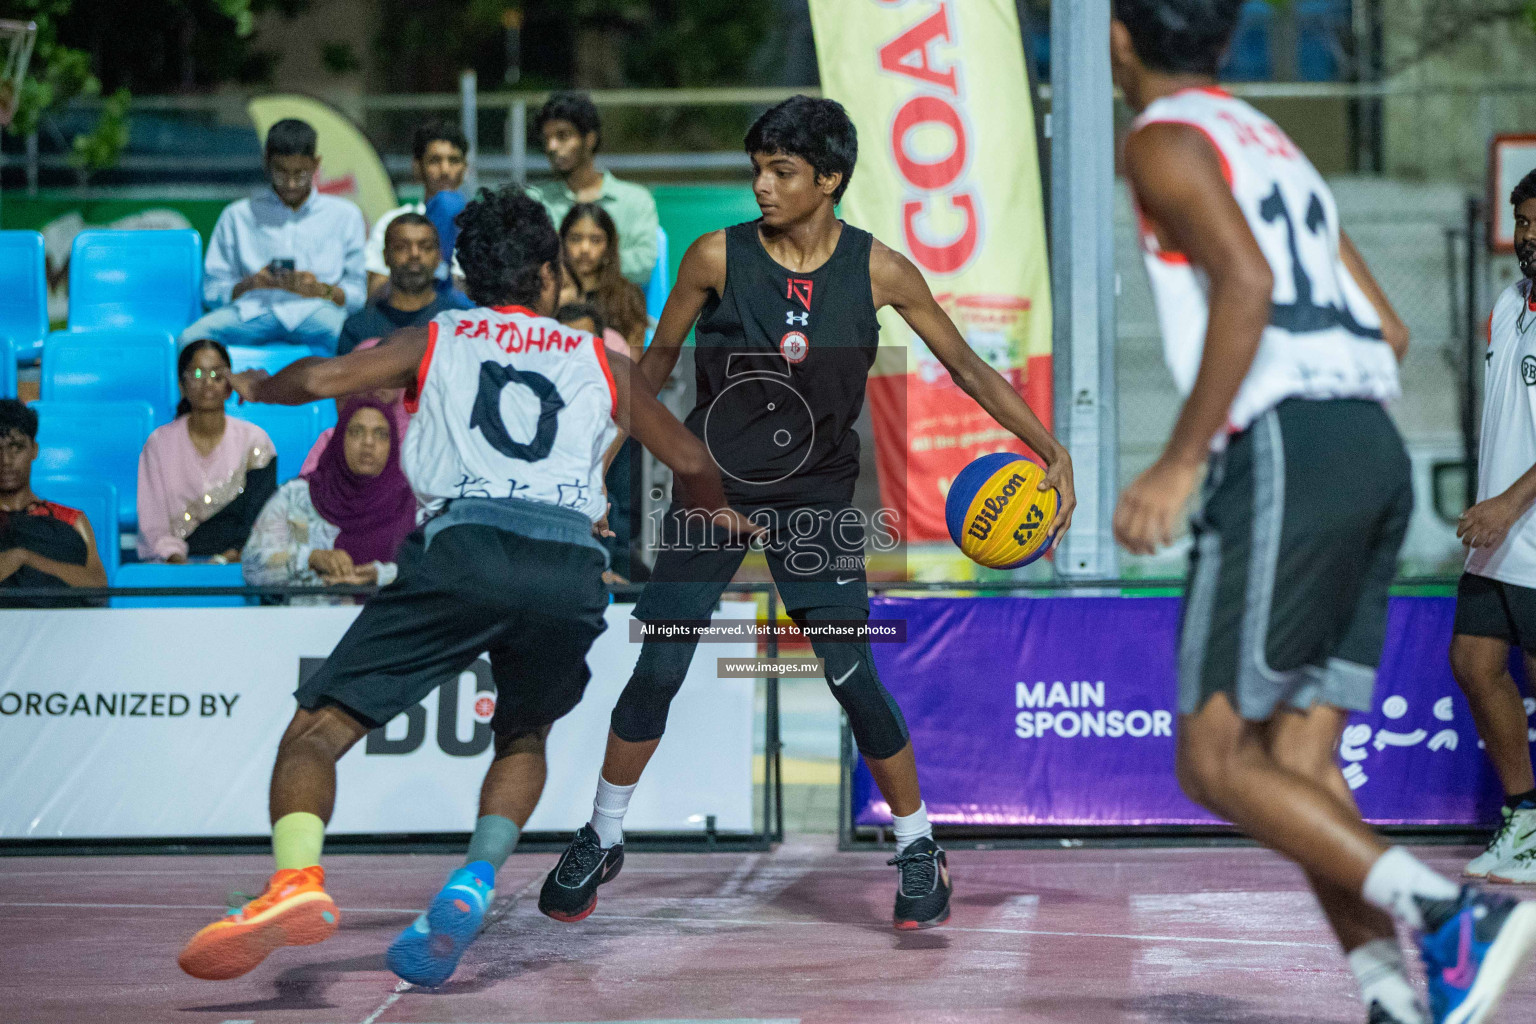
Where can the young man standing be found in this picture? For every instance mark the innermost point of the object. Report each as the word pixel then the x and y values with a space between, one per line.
pixel 511 414
pixel 1286 348
pixel 571 132
pixel 437 161
pixel 412 299
pixel 1496 599
pixel 786 334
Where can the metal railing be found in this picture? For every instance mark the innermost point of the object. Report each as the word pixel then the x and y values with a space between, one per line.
pixel 1476 104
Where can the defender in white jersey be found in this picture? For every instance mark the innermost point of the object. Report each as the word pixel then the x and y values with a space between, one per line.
pixel 1496 598
pixel 1285 348
pixel 512 416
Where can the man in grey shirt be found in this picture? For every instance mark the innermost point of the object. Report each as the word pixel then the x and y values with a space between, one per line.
pixel 284 266
pixel 572 131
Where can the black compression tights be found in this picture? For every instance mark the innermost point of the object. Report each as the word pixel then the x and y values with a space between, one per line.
pixel 878 727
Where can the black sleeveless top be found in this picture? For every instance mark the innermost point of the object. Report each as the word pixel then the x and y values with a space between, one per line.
pixel 782 359
pixel 46 529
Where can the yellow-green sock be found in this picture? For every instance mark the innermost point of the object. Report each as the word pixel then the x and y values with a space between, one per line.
pixel 297 839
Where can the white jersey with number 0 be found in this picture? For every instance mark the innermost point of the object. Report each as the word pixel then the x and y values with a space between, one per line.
pixel 1324 336
pixel 1507 449
pixel 510 404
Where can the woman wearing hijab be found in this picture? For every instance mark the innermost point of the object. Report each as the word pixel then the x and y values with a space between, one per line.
pixel 203 477
pixel 343 522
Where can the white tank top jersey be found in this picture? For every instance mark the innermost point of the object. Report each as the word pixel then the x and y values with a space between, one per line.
pixel 1324 337
pixel 510 404
pixel 1507 449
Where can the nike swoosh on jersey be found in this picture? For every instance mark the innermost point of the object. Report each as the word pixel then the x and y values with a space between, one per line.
pixel 844 677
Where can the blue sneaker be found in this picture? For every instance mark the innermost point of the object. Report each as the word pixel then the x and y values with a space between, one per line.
pixel 427 952
pixel 1482 940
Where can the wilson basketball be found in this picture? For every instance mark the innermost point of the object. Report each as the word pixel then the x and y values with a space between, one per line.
pixel 996 513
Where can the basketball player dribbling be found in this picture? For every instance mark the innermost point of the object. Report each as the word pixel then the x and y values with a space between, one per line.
pixel 786 334
pixel 1286 349
pixel 511 416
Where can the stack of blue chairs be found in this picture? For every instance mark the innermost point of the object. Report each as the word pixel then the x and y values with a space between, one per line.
pixel 140 280
pixel 158 574
pixel 111 366
pixel 96 441
pixel 24 288
pixel 292 428
pixel 273 358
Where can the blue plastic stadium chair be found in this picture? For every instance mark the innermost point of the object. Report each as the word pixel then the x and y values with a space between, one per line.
pixel 24 286
pixel 293 430
pixel 265 357
pixel 158 574
pixel 660 284
pixel 98 440
pixel 7 368
pixel 110 366
pixel 98 500
pixel 144 280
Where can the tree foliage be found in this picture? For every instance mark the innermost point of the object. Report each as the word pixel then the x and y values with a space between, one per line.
pixel 64 66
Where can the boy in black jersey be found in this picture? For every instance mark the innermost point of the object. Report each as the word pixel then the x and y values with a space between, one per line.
pixel 786 333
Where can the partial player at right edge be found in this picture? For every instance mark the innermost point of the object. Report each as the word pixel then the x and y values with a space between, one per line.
pixel 1286 349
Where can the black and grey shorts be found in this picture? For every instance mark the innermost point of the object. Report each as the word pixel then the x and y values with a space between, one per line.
pixel 1493 608
pixel 535 606
pixel 1295 549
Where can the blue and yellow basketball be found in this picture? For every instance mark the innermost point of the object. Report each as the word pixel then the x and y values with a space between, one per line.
pixel 997 514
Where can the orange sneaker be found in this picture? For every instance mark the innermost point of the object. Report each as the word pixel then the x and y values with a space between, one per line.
pixel 293 911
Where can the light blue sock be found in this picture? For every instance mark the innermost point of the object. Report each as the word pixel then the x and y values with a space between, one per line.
pixel 493 842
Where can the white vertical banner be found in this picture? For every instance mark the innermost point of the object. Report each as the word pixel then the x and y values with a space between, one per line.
pixel 161 722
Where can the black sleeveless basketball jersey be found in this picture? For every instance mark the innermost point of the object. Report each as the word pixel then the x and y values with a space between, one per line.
pixel 782 359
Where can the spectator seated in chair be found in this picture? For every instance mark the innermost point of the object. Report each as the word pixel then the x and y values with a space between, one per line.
pixel 205 476
pixel 438 161
pixel 572 132
pixel 411 255
pixel 393 400
pixel 589 249
pixel 284 266
pixel 343 521
pixel 41 544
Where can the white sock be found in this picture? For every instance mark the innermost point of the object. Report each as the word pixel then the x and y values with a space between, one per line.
pixel 912 827
pixel 1383 976
pixel 1398 880
pixel 608 811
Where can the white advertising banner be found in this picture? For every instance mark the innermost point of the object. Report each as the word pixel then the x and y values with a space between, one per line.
pixel 163 722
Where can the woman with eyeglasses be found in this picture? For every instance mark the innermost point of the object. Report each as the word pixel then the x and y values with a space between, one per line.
pixel 205 476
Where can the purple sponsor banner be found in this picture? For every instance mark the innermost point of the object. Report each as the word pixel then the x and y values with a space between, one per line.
pixel 1061 711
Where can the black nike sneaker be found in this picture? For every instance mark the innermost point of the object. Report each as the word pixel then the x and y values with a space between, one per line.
pixel 922 888
pixel 570 891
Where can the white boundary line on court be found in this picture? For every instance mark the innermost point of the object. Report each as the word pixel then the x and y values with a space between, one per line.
pixel 744 922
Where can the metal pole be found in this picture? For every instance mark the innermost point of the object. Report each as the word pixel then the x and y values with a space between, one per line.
pixel 469 120
pixel 1082 274
pixel 1471 351
pixel 517 140
pixel 773 766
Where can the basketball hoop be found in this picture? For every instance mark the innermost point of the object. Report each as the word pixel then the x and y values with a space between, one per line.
pixel 17 38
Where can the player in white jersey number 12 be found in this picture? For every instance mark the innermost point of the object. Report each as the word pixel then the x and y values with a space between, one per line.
pixel 1285 349
pixel 512 416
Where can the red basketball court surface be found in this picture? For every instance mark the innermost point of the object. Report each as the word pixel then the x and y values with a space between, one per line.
pixel 1087 935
